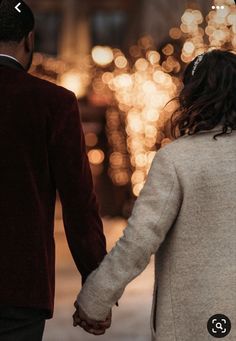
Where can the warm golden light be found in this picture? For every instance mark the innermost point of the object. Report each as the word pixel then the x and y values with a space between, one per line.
pixel 137 188
pixel 75 81
pixel 116 160
pixel 123 81
pixel 188 47
pixel 141 64
pixel 138 177
pixel 120 178
pixel 136 87
pixel 102 55
pixel 168 50
pixel 96 156
pixel 175 33
pixel 188 18
pixel 153 57
pixel 121 62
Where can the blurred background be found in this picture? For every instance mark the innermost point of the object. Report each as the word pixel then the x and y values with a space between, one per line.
pixel 124 60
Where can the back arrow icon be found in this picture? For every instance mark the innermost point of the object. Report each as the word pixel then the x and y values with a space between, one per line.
pixel 17 7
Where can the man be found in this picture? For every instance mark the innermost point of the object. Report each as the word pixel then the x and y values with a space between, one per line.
pixel 42 149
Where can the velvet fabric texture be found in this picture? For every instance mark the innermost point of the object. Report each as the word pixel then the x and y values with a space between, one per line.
pixel 42 149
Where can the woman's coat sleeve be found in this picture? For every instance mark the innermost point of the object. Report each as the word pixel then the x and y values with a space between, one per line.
pixel 154 213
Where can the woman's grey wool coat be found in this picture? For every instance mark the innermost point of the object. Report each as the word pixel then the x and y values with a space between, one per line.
pixel 186 216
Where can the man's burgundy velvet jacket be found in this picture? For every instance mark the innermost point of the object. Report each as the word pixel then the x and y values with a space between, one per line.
pixel 42 149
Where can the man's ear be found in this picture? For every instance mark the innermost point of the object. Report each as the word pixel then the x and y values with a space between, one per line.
pixel 29 42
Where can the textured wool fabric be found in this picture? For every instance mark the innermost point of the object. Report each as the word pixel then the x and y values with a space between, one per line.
pixel 42 148
pixel 186 216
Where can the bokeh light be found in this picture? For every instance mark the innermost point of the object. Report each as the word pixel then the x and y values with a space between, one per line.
pixel 96 156
pixel 102 55
pixel 135 88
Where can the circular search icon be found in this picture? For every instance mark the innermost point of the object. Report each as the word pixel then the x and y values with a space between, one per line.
pixel 219 325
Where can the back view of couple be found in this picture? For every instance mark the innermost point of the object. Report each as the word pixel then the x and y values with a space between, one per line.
pixel 185 214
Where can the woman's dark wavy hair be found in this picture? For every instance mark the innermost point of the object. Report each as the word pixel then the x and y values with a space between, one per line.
pixel 208 97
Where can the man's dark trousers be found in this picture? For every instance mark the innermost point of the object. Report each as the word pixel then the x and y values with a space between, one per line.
pixel 21 324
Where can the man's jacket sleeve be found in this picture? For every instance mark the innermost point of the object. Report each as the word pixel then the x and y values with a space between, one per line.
pixel 73 179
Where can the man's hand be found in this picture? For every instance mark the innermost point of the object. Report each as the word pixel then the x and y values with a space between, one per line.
pixel 89 325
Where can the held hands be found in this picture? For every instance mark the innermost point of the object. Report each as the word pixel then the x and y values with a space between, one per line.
pixel 89 325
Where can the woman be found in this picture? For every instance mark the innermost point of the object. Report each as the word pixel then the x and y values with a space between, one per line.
pixel 186 216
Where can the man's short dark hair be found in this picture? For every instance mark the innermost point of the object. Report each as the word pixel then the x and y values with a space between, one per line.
pixel 15 25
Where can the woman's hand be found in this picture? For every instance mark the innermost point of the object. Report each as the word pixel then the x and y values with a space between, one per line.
pixel 89 325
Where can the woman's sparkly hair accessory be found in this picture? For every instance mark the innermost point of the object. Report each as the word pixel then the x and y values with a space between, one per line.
pixel 197 61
